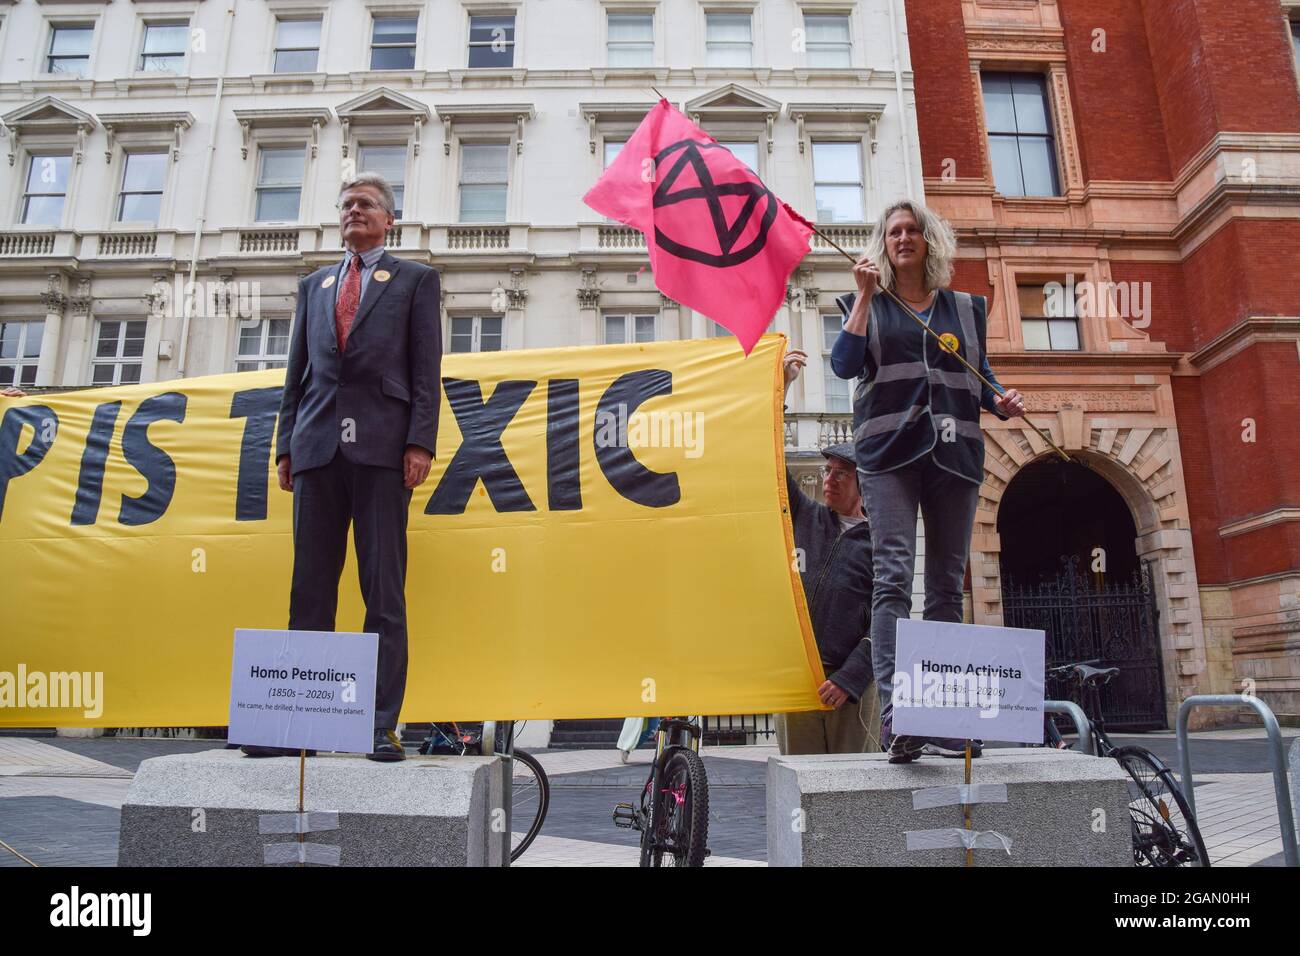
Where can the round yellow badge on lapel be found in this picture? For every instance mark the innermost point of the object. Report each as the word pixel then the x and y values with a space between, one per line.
pixel 329 281
pixel 949 342
pixel 383 275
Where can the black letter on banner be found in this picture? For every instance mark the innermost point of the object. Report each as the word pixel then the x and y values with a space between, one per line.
pixel 631 479
pixel 90 480
pixel 13 464
pixel 150 460
pixel 563 485
pixel 260 406
pixel 480 454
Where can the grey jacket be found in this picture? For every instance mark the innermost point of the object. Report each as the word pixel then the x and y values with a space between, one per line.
pixel 837 581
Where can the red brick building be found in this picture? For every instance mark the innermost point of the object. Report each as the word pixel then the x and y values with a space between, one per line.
pixel 1149 152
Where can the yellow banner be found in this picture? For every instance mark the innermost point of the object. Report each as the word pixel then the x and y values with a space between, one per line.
pixel 612 540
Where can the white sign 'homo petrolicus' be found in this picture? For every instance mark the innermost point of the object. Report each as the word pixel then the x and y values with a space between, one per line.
pixel 310 690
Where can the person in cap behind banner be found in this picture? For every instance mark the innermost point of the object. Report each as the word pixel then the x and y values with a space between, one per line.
pixel 916 422
pixel 833 546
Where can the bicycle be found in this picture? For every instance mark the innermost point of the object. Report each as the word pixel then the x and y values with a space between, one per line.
pixel 673 817
pixel 530 788
pixel 1163 835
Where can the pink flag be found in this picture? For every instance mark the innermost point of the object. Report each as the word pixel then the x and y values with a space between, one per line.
pixel 720 241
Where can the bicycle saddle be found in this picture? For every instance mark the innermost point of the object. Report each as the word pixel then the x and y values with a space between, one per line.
pixel 1094 675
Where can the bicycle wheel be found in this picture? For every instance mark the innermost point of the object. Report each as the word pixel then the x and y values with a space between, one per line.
pixel 1164 829
pixel 647 821
pixel 530 796
pixel 681 820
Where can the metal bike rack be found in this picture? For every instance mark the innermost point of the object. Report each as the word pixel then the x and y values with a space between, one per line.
pixel 1081 723
pixel 1277 756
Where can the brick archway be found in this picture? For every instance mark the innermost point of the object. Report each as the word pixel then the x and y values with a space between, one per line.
pixel 1143 464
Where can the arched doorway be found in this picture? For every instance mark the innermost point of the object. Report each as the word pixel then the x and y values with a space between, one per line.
pixel 1069 566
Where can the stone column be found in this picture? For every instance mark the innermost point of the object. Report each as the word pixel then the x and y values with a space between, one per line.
pixel 81 313
pixel 225 317
pixel 670 319
pixel 516 295
pixel 699 324
pixel 55 301
pixel 806 333
pixel 589 309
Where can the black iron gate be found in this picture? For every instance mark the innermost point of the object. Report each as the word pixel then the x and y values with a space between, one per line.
pixel 1113 621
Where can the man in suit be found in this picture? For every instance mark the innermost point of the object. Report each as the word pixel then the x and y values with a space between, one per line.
pixel 357 432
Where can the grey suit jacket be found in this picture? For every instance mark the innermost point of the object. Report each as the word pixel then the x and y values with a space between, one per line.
pixel 383 391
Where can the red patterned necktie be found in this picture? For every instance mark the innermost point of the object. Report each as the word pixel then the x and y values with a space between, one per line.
pixel 349 298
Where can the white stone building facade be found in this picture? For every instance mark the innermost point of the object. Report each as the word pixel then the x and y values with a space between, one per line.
pixel 146 143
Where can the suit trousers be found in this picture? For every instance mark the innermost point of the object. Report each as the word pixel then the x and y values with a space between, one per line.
pixel 373 500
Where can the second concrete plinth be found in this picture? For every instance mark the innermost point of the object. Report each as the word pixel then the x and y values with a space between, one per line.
pixel 1063 809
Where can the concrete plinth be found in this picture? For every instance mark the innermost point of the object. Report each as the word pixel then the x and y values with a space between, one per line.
pixel 203 809
pixel 1063 809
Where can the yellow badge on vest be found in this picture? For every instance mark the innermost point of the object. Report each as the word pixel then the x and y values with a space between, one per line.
pixel 949 343
pixel 329 281
pixel 383 275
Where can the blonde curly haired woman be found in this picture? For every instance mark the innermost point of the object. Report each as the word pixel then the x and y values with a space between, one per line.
pixel 916 427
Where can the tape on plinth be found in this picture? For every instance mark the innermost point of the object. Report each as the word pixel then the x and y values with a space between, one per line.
pixel 963 793
pixel 313 821
pixel 951 837
pixel 316 853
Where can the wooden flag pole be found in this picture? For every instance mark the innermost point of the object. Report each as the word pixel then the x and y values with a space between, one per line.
pixel 911 313
pixel 302 773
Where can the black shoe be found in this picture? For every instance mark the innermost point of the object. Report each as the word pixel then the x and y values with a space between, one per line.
pixel 952 747
pixel 388 747
pixel 255 750
pixel 905 749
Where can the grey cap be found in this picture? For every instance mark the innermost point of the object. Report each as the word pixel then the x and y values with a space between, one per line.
pixel 842 451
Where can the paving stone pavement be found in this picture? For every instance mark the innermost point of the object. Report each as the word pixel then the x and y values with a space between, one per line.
pixel 1237 816
pixel 56 831
pixel 1217 752
pixel 737 818
pixel 26 756
pixel 60 799
pixel 558 851
pixel 122 753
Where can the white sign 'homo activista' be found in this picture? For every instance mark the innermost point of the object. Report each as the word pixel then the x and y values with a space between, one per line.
pixel 310 690
pixel 968 681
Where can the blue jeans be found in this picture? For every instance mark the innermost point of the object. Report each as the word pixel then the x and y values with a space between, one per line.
pixel 947 504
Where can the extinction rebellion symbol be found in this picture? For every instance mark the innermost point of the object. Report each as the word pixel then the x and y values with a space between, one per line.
pixel 689 154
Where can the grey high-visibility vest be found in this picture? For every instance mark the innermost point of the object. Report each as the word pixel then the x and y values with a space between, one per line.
pixel 914 398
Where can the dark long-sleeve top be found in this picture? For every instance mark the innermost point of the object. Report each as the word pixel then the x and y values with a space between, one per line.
pixel 849 359
pixel 914 397
pixel 837 581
